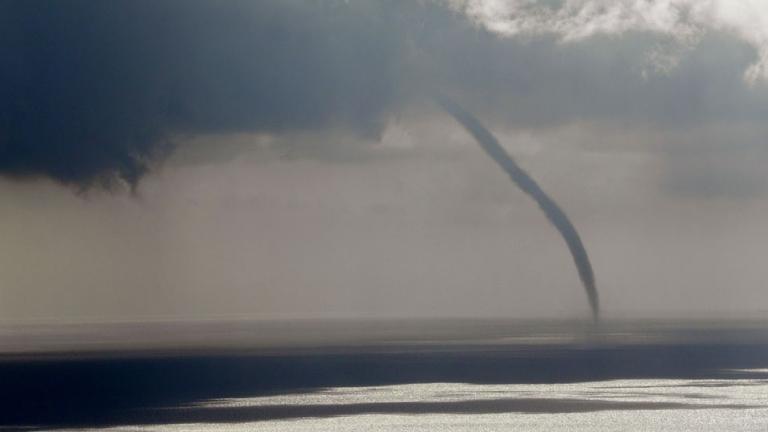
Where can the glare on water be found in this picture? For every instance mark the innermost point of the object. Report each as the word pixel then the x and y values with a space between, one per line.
pixel 639 404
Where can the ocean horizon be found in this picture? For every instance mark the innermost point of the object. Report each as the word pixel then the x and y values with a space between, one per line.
pixel 377 375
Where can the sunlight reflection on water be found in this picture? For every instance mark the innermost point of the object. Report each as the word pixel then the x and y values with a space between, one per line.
pixel 639 404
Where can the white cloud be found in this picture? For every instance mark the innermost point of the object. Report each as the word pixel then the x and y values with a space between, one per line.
pixel 682 21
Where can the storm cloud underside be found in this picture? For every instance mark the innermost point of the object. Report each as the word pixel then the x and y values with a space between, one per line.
pixel 94 92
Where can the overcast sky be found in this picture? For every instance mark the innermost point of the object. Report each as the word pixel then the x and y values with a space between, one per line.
pixel 310 175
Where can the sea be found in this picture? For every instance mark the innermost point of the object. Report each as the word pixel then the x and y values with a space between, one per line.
pixel 346 375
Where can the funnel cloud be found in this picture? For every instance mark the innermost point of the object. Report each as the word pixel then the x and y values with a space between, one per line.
pixel 554 213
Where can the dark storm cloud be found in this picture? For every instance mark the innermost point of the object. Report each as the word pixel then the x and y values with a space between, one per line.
pixel 95 92
pixel 91 91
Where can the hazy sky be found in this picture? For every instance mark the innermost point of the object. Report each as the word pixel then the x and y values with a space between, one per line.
pixel 312 177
